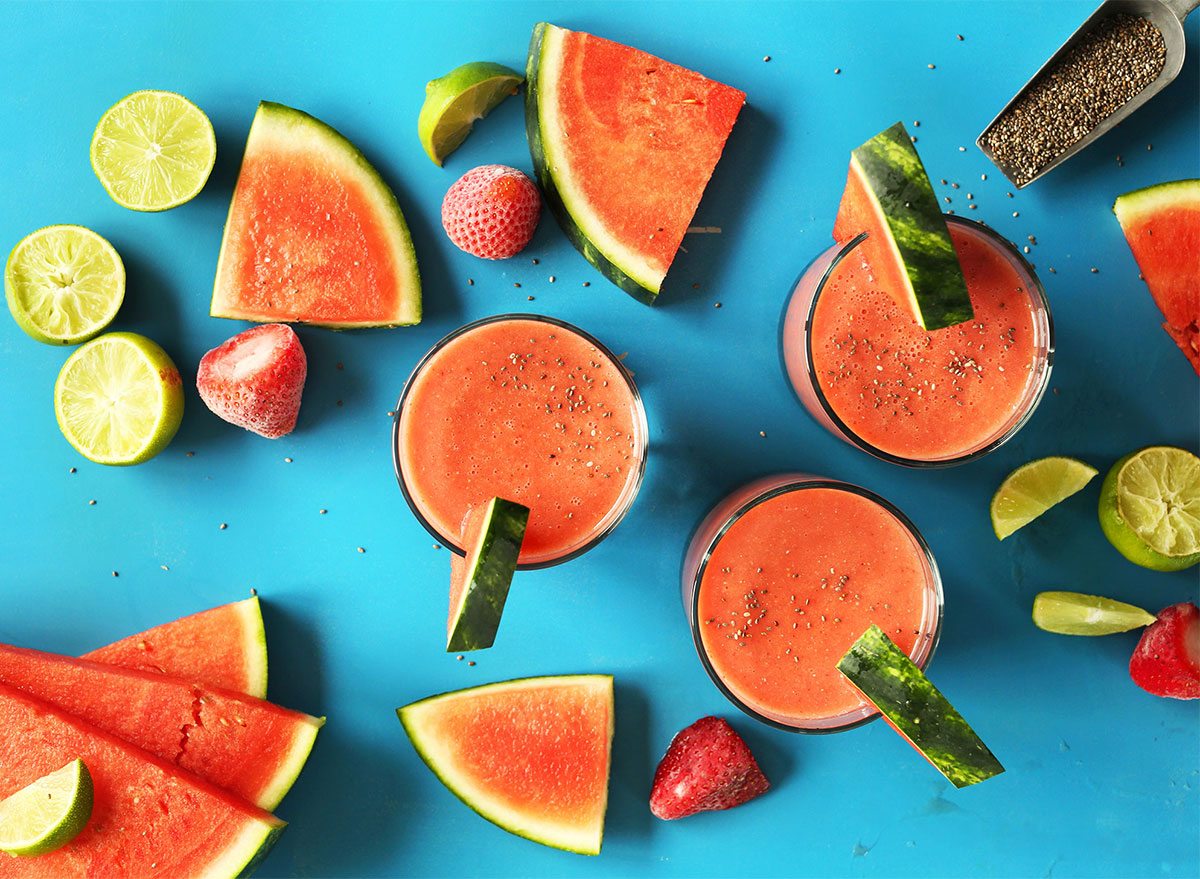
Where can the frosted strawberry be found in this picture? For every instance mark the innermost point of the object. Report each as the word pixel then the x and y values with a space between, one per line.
pixel 706 767
pixel 491 211
pixel 1167 659
pixel 255 379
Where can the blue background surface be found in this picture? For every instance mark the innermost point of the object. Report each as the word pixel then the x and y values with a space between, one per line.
pixel 1102 777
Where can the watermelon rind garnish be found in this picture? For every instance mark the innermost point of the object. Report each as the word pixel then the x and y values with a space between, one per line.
pixel 491 561
pixel 540 810
pixel 289 133
pixel 615 255
pixel 223 646
pixel 916 709
pixel 888 194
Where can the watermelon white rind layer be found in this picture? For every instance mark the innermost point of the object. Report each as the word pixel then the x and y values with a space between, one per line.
pixel 491 562
pixel 916 709
pixel 550 827
pixel 280 129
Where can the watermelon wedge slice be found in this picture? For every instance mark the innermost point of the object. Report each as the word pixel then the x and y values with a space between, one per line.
pixel 149 818
pixel 1162 225
pixel 531 755
pixel 314 235
pixel 249 747
pixel 479 583
pixel 223 647
pixel 623 145
pixel 908 248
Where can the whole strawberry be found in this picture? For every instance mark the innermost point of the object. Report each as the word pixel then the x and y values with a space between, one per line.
pixel 255 379
pixel 707 766
pixel 1167 659
pixel 491 211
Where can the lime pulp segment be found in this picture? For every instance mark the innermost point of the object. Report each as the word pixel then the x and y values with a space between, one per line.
pixel 1158 496
pixel 63 284
pixel 48 813
pixel 456 101
pixel 153 150
pixel 1073 613
pixel 1035 487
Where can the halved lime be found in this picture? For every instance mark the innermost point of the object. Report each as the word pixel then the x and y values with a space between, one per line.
pixel 47 814
pixel 63 284
pixel 1150 508
pixel 1073 613
pixel 153 150
pixel 119 399
pixel 454 102
pixel 1035 487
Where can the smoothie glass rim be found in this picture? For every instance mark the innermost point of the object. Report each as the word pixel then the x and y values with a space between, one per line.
pixel 803 482
pixel 616 514
pixel 1037 294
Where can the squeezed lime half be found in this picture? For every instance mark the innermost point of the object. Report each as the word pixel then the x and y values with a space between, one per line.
pixel 1150 508
pixel 1073 613
pixel 47 814
pixel 1035 487
pixel 456 101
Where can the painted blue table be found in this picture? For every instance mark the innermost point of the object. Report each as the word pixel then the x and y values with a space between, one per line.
pixel 1102 777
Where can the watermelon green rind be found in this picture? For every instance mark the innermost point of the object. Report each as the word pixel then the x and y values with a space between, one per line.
pixel 277 125
pixel 916 709
pixel 491 563
pixel 540 69
pixel 433 751
pixel 303 738
pixel 1152 199
pixel 223 646
pixel 899 189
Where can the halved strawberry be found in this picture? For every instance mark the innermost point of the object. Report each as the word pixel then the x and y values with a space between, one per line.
pixel 706 767
pixel 1167 659
pixel 255 379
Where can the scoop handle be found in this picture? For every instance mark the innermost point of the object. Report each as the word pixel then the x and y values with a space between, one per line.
pixel 1181 8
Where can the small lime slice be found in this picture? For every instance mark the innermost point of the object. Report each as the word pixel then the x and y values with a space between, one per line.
pixel 1073 613
pixel 153 150
pixel 63 284
pixel 1150 508
pixel 47 814
pixel 454 102
pixel 1032 489
pixel 119 399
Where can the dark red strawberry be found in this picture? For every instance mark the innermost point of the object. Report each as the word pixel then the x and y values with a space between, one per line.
pixel 255 379
pixel 1167 659
pixel 707 767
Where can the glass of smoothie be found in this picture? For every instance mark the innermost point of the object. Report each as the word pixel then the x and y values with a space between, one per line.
pixel 868 372
pixel 527 408
pixel 784 575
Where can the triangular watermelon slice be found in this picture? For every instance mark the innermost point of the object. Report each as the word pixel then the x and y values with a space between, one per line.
pixel 529 755
pixel 623 145
pixel 149 818
pixel 314 234
pixel 1162 225
pixel 249 747
pixel 223 646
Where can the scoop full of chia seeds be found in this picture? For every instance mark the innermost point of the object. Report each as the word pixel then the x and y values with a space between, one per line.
pixel 1105 70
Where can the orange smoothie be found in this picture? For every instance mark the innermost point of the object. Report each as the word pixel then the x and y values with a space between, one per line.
pixel 529 409
pixel 799 572
pixel 868 371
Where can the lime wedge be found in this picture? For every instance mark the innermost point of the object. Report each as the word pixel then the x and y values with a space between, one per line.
pixel 1032 489
pixel 153 150
pixel 63 284
pixel 1150 508
pixel 47 814
pixel 455 101
pixel 119 399
pixel 1073 613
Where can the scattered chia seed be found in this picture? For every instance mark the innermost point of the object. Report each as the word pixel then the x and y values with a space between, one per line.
pixel 716 305
pixel 1102 73
pixel 287 460
pixel 837 70
pixel 766 57
pixel 91 503
pixel 72 470
pixel 223 526
pixel 360 549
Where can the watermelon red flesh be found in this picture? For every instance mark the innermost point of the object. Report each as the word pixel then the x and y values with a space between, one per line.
pixel 624 144
pixel 1162 225
pixel 249 747
pixel 314 234
pixel 222 647
pixel 150 818
pixel 531 755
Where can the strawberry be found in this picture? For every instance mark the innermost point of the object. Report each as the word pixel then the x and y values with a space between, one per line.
pixel 1167 659
pixel 491 211
pixel 707 766
pixel 255 379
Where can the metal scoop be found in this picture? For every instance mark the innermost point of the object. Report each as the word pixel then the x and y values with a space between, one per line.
pixel 1166 15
